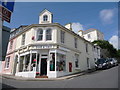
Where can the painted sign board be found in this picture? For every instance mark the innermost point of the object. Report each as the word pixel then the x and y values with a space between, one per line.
pixel 8 5
pixel 5 14
pixel 6 8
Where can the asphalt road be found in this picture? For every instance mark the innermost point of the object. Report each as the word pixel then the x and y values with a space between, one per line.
pixel 99 79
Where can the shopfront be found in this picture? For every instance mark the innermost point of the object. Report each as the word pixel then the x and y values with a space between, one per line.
pixel 42 62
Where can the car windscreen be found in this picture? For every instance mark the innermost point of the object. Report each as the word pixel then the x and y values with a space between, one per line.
pixel 101 61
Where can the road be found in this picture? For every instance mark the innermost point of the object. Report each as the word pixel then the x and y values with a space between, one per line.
pixel 99 79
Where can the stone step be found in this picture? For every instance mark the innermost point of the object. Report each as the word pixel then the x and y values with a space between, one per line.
pixel 41 77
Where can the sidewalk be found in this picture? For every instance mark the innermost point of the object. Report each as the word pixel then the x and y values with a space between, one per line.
pixel 44 79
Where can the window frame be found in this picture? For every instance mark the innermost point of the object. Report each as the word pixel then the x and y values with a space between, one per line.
pixel 23 39
pixel 48 34
pixel 75 42
pixel 89 36
pixel 62 36
pixel 39 34
pixel 76 60
pixel 7 62
pixel 86 46
pixel 11 44
pixel 45 18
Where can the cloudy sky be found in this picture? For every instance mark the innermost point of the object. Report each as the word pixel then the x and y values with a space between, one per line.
pixel 84 15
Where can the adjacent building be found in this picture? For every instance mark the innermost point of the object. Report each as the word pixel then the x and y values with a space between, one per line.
pixel 5 40
pixel 91 34
pixel 47 49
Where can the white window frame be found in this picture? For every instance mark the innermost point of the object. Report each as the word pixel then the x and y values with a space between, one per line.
pixel 45 18
pixel 62 36
pixel 86 47
pixel 75 42
pixel 89 36
pixel 23 39
pixel 39 34
pixel 11 44
pixel 7 62
pixel 48 34
pixel 76 60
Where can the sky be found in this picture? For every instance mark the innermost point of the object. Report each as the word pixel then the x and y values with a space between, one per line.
pixel 84 15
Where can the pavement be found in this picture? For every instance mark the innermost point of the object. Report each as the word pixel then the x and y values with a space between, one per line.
pixel 8 76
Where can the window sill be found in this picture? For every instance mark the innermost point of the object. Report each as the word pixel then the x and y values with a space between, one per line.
pixel 6 68
pixel 77 68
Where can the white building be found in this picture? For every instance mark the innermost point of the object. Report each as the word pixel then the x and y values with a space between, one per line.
pixel 91 34
pixel 48 49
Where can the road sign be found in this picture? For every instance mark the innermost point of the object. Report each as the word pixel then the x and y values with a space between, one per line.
pixel 5 14
pixel 6 8
pixel 8 5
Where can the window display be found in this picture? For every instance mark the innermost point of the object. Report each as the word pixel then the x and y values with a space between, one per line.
pixel 52 62
pixel 61 64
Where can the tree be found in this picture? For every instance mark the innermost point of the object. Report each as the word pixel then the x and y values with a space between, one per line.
pixel 113 53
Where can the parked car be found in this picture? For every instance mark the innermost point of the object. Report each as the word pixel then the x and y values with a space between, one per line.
pixel 112 61
pixel 102 64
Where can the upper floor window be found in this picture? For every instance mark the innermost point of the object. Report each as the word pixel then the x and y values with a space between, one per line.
pixel 45 18
pixel 86 45
pixel 89 36
pixel 7 62
pixel 75 42
pixel 11 44
pixel 62 37
pixel 23 39
pixel 48 34
pixel 40 35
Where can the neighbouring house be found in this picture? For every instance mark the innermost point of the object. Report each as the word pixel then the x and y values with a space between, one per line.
pixel 5 40
pixel 47 49
pixel 91 34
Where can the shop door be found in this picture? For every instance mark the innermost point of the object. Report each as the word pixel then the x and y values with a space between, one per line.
pixel 43 66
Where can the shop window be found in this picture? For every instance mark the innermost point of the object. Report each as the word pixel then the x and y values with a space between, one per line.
pixel 26 62
pixel 7 62
pixel 52 61
pixel 21 63
pixel 61 63
pixel 33 62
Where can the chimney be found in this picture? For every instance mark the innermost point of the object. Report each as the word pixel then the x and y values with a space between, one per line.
pixel 69 26
pixel 80 33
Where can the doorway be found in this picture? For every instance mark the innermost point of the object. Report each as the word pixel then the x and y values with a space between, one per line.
pixel 43 66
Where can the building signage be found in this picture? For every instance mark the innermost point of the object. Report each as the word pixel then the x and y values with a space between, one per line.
pixel 8 5
pixel 5 14
pixel 6 8
pixel 44 46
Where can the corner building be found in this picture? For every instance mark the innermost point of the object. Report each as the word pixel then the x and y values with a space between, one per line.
pixel 48 49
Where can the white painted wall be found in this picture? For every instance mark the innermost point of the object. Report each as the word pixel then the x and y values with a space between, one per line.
pixel 49 17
